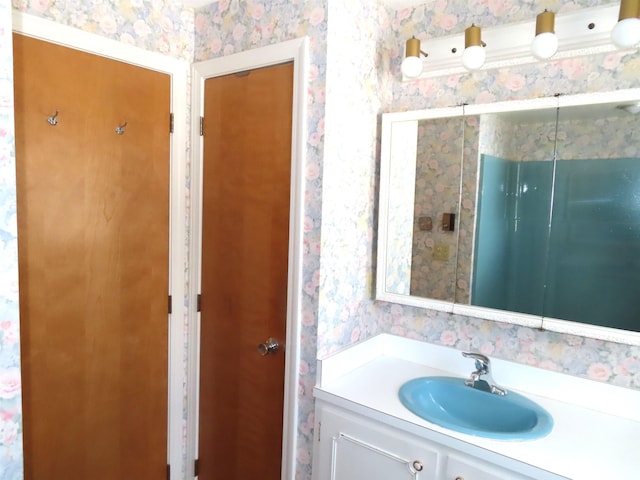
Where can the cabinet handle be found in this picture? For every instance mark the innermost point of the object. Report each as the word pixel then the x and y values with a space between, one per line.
pixel 417 466
pixel 459 478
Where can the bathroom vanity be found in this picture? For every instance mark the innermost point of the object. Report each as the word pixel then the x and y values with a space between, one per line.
pixel 364 432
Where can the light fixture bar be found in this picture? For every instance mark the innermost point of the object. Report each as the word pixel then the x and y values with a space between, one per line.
pixel 583 32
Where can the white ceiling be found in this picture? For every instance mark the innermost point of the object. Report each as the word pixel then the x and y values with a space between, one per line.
pixel 197 3
pixel 393 4
pixel 397 4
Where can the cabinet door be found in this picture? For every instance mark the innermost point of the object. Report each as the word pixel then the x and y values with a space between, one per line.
pixel 352 448
pixel 471 469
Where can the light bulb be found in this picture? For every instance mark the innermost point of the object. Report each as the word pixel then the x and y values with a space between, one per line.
pixel 544 45
pixel 411 67
pixel 473 57
pixel 626 33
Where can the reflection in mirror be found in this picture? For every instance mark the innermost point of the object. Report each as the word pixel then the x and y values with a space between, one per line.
pixel 436 206
pixel 594 249
pixel 516 153
pixel 537 241
pixel 402 173
pixel 467 210
pixel 423 209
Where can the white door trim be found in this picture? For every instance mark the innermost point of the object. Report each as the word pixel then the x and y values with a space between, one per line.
pixel 297 51
pixel 178 70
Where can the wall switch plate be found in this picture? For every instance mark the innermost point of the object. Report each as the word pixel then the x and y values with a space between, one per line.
pixel 448 222
pixel 425 224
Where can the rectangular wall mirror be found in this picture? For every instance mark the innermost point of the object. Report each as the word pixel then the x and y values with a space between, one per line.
pixel 524 212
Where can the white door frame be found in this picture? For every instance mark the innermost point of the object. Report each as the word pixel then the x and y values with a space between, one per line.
pixel 178 70
pixel 297 52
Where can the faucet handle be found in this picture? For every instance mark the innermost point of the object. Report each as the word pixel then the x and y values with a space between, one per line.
pixel 482 368
pixel 482 361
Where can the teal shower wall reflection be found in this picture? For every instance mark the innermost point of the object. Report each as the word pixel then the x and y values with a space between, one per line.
pixel 511 234
pixel 594 256
pixel 589 260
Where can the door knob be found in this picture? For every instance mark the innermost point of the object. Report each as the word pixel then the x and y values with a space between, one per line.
pixel 269 346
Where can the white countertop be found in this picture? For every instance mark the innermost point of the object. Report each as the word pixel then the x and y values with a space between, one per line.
pixel 596 433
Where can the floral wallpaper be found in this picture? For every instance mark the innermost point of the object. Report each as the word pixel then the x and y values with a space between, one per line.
pixel 354 76
pixel 161 26
pixel 579 135
pixel 11 467
pixel 467 222
pixel 576 138
pixel 439 167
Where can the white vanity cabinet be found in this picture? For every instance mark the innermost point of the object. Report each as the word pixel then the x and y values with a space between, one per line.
pixel 352 447
pixel 349 447
pixel 465 468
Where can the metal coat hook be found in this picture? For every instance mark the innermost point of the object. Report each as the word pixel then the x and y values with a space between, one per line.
pixel 120 128
pixel 52 119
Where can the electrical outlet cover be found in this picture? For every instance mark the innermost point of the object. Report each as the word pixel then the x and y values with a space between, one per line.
pixel 441 252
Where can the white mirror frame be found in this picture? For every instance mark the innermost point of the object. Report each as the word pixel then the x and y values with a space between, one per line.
pixel 533 321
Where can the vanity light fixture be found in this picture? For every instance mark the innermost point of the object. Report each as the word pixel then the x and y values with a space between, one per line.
pixel 545 43
pixel 412 65
pixel 474 55
pixel 626 33
pixel 576 33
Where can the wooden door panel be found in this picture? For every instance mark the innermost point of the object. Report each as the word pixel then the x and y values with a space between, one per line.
pixel 246 189
pixel 93 233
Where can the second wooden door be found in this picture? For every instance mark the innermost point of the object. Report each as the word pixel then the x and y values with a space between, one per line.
pixel 246 186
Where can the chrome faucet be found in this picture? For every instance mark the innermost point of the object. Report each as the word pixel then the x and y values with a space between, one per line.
pixel 485 384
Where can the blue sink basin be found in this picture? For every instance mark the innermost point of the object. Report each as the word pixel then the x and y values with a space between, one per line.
pixel 448 402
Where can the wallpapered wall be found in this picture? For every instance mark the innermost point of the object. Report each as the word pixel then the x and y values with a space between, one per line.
pixel 577 138
pixel 437 191
pixel 10 398
pixel 356 49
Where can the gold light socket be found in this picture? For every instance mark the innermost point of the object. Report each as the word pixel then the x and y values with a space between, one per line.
pixel 412 48
pixel 545 22
pixel 472 36
pixel 629 9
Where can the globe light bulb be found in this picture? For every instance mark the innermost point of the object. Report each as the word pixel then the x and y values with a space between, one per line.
pixel 545 43
pixel 626 33
pixel 411 67
pixel 544 46
pixel 474 55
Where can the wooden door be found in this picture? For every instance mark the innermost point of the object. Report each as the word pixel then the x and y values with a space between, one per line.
pixel 246 178
pixel 93 236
